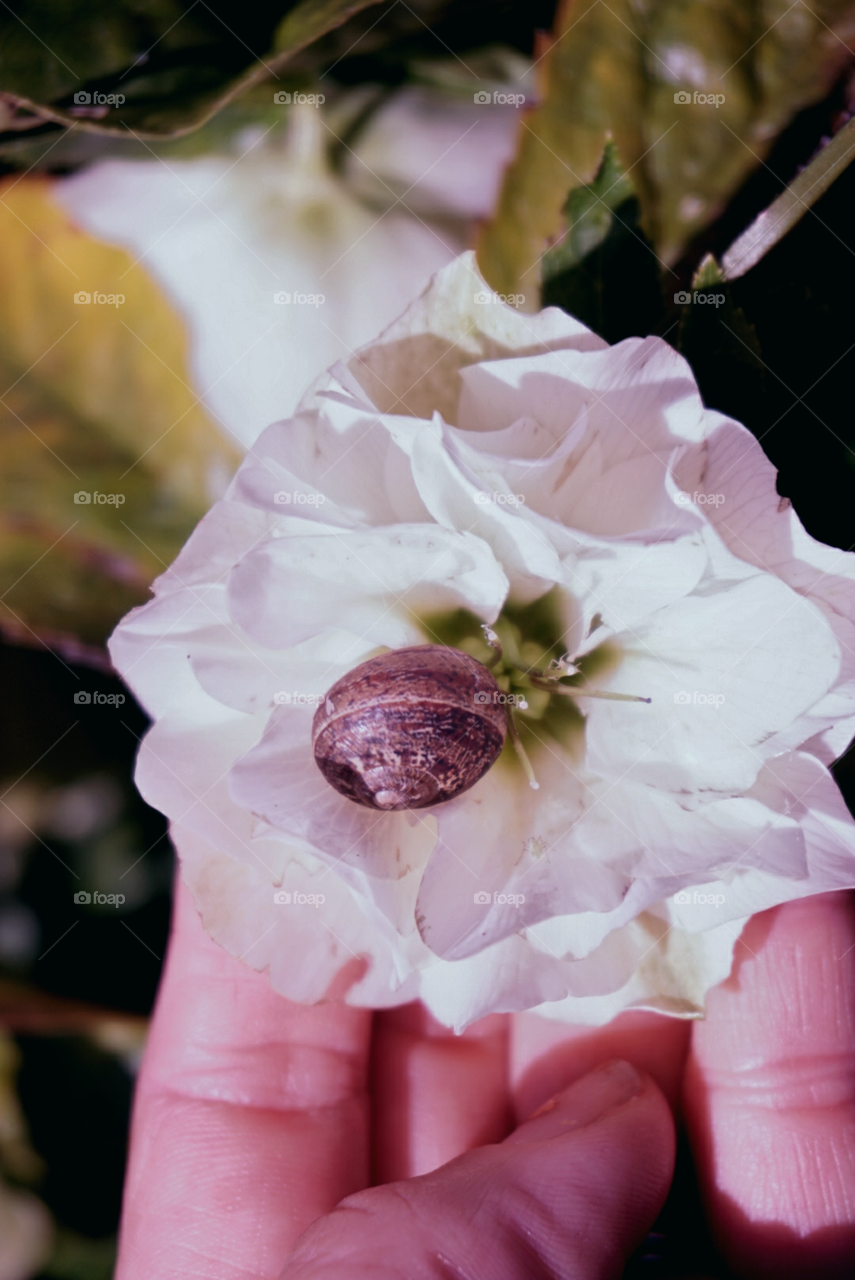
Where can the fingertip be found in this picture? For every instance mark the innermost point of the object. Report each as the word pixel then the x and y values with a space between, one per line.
pixel 547 1055
pixel 770 1095
pixel 573 1191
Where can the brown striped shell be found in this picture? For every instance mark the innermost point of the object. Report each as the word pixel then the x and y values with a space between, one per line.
pixel 409 729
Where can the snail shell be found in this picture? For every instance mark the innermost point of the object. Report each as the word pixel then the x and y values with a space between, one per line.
pixel 409 729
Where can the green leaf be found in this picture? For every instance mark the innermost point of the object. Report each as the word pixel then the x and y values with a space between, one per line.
pixel 95 398
pixel 604 271
pixel 173 66
pixel 591 82
pixel 692 91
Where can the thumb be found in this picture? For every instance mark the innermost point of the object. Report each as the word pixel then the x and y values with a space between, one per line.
pixel 571 1192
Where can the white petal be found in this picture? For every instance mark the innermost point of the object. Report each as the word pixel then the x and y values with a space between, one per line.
pixel 374 583
pixel 279 780
pixel 414 366
pixel 725 669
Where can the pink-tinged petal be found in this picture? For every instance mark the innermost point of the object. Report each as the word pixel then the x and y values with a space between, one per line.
pixel 279 780
pixel 726 668
pixel 414 366
pixel 375 583
pixel 313 950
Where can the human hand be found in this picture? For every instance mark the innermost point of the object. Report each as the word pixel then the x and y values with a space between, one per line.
pixel 254 1117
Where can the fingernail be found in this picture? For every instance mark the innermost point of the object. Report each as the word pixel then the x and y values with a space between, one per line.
pixel 584 1102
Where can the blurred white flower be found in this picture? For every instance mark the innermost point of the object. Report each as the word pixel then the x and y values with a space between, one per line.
pixel 226 234
pixel 645 540
pixel 26 1227
pixel 26 1234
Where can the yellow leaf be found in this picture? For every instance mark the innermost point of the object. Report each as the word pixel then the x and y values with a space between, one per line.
pixel 107 456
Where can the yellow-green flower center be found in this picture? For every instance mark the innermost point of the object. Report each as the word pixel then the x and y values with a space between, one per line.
pixel 532 642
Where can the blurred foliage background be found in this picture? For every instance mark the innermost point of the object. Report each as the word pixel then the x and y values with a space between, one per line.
pixel 628 181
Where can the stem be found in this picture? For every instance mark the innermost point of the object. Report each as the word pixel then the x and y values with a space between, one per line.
pixel 791 205
pixel 582 691
pixel 514 735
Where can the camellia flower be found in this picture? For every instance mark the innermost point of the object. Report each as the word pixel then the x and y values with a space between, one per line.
pixel 476 466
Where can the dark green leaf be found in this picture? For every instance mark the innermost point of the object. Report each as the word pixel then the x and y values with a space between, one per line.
pixel 68 61
pixel 604 271
pixel 722 347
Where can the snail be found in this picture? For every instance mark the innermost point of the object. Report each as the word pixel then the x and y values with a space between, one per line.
pixel 411 728
pixel 418 726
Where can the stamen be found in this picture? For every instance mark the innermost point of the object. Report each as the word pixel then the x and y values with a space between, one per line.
pixel 495 644
pixel 564 666
pixel 582 691
pixel 514 736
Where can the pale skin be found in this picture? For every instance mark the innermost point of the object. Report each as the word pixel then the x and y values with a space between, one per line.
pixel 256 1117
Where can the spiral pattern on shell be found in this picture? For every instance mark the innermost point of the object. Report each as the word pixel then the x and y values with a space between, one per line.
pixel 411 728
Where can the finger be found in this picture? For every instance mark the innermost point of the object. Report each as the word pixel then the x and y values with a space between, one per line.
pixel 545 1056
pixel 566 1194
pixel 435 1094
pixel 770 1094
pixel 250 1118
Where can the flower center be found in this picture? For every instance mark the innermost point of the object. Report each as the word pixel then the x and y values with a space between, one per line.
pixel 527 654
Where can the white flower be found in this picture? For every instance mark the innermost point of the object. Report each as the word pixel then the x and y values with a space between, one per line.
pixel 225 234
pixel 644 539
pixel 26 1234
